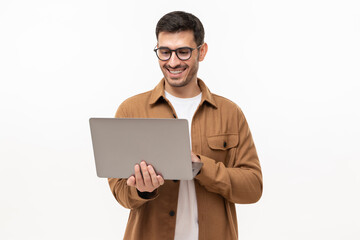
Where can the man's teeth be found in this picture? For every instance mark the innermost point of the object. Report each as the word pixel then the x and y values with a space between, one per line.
pixel 176 72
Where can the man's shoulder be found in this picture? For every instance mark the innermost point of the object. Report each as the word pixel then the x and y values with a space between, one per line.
pixel 224 103
pixel 137 99
pixel 134 103
pixel 228 110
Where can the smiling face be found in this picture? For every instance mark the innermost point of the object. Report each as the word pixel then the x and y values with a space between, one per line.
pixel 179 73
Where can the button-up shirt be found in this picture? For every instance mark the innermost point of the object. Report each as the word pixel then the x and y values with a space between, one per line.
pixel 231 173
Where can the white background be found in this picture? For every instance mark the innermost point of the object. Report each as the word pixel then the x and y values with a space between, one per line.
pixel 292 66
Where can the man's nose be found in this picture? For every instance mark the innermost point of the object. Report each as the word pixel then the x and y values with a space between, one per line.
pixel 174 60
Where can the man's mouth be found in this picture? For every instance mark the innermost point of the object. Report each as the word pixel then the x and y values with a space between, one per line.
pixel 176 71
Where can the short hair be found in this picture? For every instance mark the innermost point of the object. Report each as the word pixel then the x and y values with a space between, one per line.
pixel 179 21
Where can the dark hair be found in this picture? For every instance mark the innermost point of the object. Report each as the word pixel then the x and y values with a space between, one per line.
pixel 179 21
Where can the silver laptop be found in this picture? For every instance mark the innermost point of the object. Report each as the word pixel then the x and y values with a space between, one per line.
pixel 120 143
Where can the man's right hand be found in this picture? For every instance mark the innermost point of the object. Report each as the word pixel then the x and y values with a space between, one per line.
pixel 145 179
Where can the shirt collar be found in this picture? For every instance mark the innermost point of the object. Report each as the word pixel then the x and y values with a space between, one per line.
pixel 159 92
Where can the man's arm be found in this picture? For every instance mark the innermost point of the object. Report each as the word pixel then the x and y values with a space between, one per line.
pixel 241 181
pixel 138 189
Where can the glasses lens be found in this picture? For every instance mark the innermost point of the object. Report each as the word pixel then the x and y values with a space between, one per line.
pixel 163 53
pixel 183 53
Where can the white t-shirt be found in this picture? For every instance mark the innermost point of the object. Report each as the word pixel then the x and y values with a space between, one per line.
pixel 187 227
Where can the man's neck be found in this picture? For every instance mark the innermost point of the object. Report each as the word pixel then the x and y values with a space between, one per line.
pixel 190 90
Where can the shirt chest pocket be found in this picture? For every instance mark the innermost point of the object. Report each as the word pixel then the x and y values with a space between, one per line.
pixel 221 147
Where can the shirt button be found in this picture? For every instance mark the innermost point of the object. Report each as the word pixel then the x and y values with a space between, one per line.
pixel 225 144
pixel 172 213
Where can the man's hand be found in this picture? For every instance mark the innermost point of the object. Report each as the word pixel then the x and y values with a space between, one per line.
pixel 194 158
pixel 145 179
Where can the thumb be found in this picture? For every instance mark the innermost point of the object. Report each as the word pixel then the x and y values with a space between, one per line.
pixel 131 181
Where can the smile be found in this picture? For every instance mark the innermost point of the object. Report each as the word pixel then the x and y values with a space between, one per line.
pixel 176 71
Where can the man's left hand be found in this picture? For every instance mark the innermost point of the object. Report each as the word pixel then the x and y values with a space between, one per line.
pixel 194 158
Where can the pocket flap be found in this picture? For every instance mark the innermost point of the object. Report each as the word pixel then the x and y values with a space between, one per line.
pixel 223 141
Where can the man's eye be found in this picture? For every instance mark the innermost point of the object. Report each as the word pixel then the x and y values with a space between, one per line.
pixel 184 51
pixel 164 51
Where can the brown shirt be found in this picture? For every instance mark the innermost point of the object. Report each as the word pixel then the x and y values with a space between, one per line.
pixel 231 172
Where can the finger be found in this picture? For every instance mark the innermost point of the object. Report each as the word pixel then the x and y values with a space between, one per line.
pixel 194 158
pixel 145 173
pixel 138 177
pixel 160 179
pixel 131 181
pixel 153 177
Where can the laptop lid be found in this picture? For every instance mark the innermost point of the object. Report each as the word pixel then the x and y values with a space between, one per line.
pixel 120 143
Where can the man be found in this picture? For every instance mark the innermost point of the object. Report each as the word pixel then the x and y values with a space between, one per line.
pixel 203 208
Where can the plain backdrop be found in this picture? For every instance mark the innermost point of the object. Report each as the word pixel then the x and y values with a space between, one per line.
pixel 292 66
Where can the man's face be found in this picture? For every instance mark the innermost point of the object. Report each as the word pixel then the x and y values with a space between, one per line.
pixel 179 73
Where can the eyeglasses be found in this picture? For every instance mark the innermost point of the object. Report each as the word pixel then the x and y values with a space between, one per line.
pixel 183 53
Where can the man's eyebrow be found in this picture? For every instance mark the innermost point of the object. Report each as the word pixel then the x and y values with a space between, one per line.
pixel 175 48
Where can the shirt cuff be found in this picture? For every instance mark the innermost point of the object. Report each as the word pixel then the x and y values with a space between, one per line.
pixel 148 195
pixel 208 171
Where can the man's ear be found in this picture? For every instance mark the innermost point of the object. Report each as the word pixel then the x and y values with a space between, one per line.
pixel 203 50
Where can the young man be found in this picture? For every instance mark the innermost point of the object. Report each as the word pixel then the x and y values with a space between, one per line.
pixel 203 208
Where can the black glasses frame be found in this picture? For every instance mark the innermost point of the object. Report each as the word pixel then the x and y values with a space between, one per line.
pixel 176 52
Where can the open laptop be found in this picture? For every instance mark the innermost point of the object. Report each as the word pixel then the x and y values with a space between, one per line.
pixel 120 143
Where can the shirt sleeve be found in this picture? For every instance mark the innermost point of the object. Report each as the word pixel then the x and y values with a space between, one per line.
pixel 242 181
pixel 127 196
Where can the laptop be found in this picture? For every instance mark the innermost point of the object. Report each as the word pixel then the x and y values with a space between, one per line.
pixel 120 143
